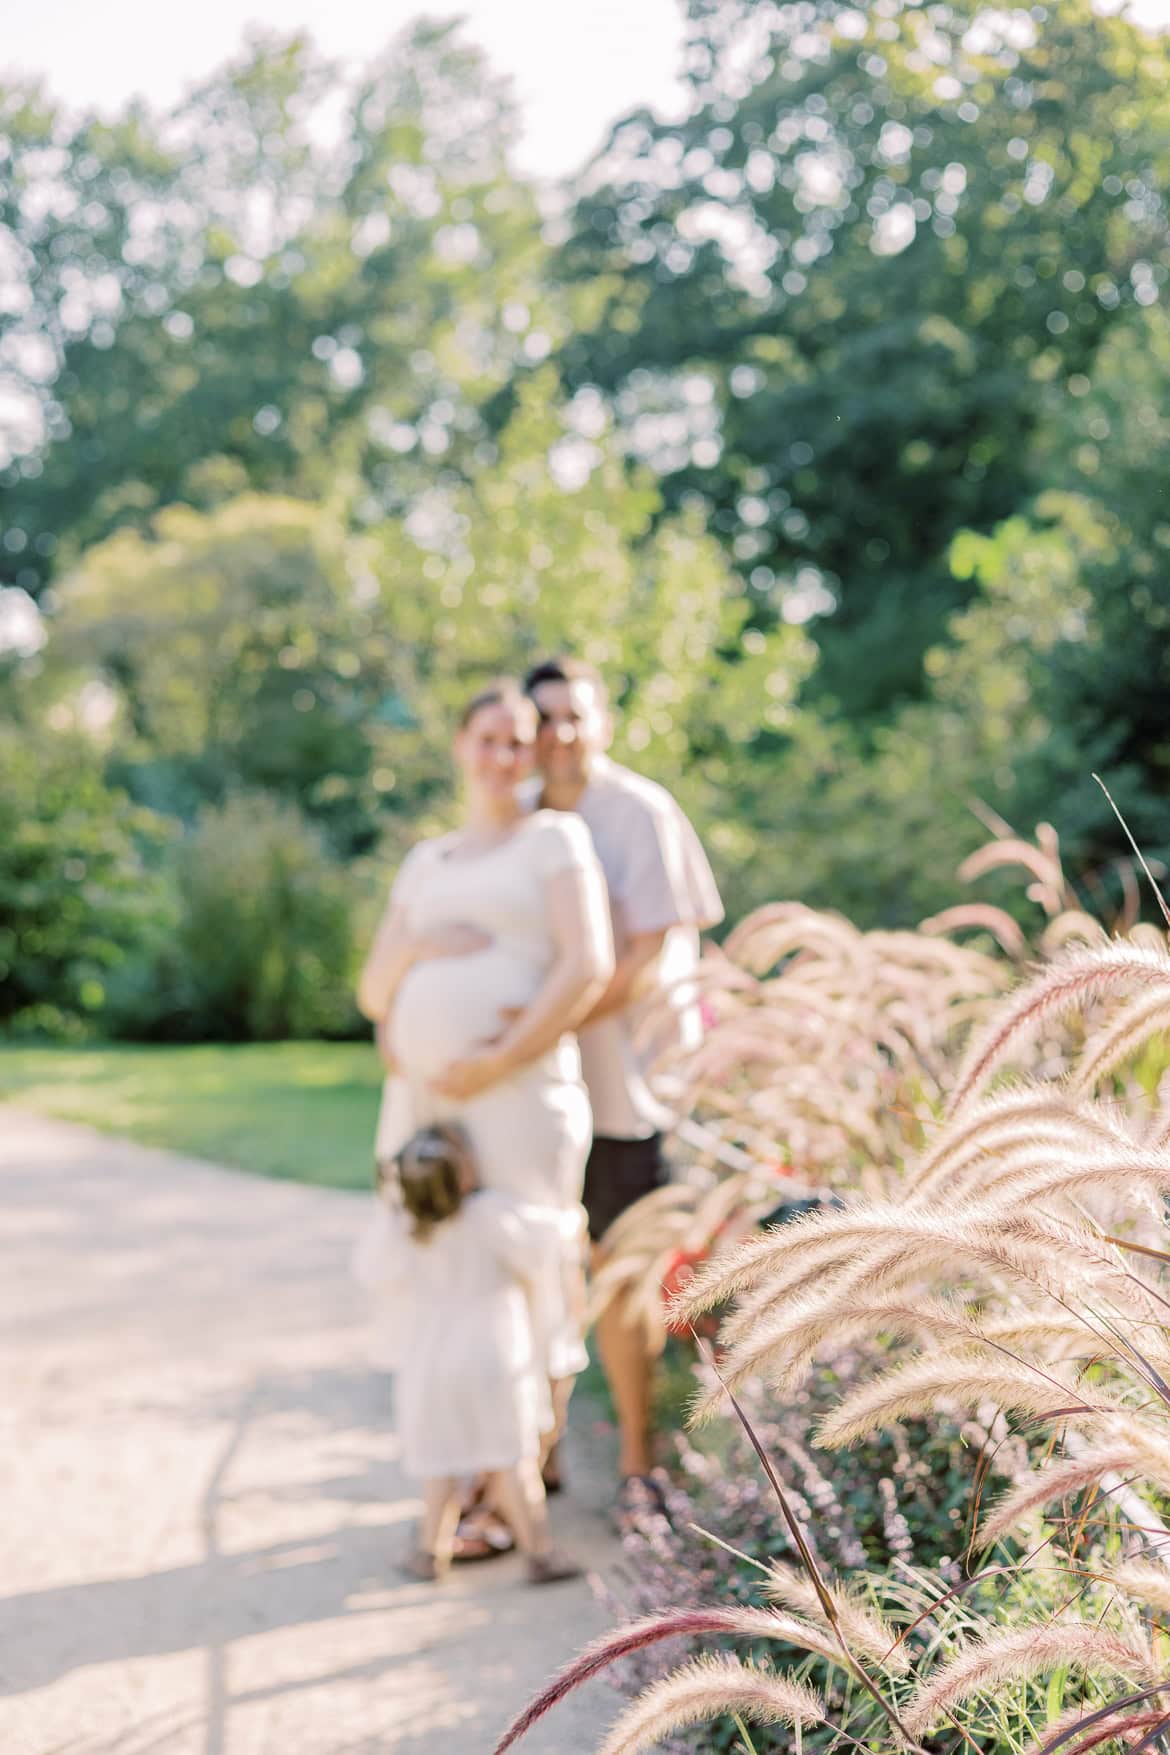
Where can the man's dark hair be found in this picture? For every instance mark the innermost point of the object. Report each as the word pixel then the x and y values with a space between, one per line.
pixel 565 670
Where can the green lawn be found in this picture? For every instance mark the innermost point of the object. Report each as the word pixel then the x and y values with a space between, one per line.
pixel 302 1110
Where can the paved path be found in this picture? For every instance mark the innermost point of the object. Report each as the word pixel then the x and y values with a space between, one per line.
pixel 199 1503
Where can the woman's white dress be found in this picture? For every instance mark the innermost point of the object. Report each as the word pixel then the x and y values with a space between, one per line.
pixel 530 1133
pixel 471 1389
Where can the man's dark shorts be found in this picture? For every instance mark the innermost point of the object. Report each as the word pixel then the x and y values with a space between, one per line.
pixel 618 1173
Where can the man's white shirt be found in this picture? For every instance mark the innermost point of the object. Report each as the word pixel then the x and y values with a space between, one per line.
pixel 659 880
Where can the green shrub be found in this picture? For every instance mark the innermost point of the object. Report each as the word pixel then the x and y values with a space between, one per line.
pixel 263 947
pixel 78 896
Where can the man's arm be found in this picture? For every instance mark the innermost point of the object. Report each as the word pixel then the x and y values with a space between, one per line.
pixel 638 951
pixel 664 881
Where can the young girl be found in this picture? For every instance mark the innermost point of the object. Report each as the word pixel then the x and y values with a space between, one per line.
pixel 471 1393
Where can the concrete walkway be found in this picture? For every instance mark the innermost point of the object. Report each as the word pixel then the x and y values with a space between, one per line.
pixel 201 1508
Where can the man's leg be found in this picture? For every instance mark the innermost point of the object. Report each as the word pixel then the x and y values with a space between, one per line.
pixel 629 1367
pixel 620 1172
pixel 519 1493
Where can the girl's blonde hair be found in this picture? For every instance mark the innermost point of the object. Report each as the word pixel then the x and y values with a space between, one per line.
pixel 433 1170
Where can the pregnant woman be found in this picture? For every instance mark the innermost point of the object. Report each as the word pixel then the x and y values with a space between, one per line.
pixel 495 942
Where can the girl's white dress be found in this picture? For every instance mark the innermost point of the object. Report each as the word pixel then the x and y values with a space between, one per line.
pixel 471 1387
pixel 530 1134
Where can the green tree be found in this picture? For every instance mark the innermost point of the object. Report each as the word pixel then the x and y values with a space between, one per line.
pixel 1108 678
pixel 239 650
pixel 877 826
pixel 237 296
pixel 832 300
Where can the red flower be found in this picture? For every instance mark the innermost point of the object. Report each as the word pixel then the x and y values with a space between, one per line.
pixel 679 1269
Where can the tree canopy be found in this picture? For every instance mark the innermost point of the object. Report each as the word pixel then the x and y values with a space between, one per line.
pixel 827 419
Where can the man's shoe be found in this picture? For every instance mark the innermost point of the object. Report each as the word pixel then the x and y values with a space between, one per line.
pixel 422 1566
pixel 552 1567
pixel 638 1497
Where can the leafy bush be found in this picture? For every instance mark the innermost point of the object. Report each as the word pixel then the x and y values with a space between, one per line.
pixel 262 950
pixel 78 897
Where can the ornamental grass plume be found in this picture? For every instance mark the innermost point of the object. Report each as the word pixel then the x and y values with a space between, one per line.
pixel 1077 1732
pixel 965 1381
pixel 1027 1112
pixel 1145 1580
pixel 703 1689
pixel 1050 889
pixel 1121 1039
pixel 864 1630
pixel 1120 1187
pixel 1019 1655
pixel 1072 982
pixel 1130 1453
pixel 979 917
pixel 743 1623
pixel 999 1239
pixel 1014 1231
pixel 782 1349
pixel 781 1345
pixel 1072 927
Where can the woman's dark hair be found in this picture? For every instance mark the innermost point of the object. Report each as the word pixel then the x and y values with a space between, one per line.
pixel 432 1169
pixel 499 693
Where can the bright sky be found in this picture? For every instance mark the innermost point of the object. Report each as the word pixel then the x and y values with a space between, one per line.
pixel 576 64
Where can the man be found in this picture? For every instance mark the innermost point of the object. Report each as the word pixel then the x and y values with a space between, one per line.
pixel 662 894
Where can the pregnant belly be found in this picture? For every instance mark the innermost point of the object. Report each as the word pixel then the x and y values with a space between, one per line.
pixel 450 1007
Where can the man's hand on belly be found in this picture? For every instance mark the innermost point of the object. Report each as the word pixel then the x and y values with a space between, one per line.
pixel 472 1074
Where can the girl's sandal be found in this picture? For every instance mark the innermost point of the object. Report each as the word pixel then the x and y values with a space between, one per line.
pixel 481 1536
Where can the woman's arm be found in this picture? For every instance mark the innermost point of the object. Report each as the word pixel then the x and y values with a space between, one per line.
pixel 391 956
pixel 396 950
pixel 579 921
